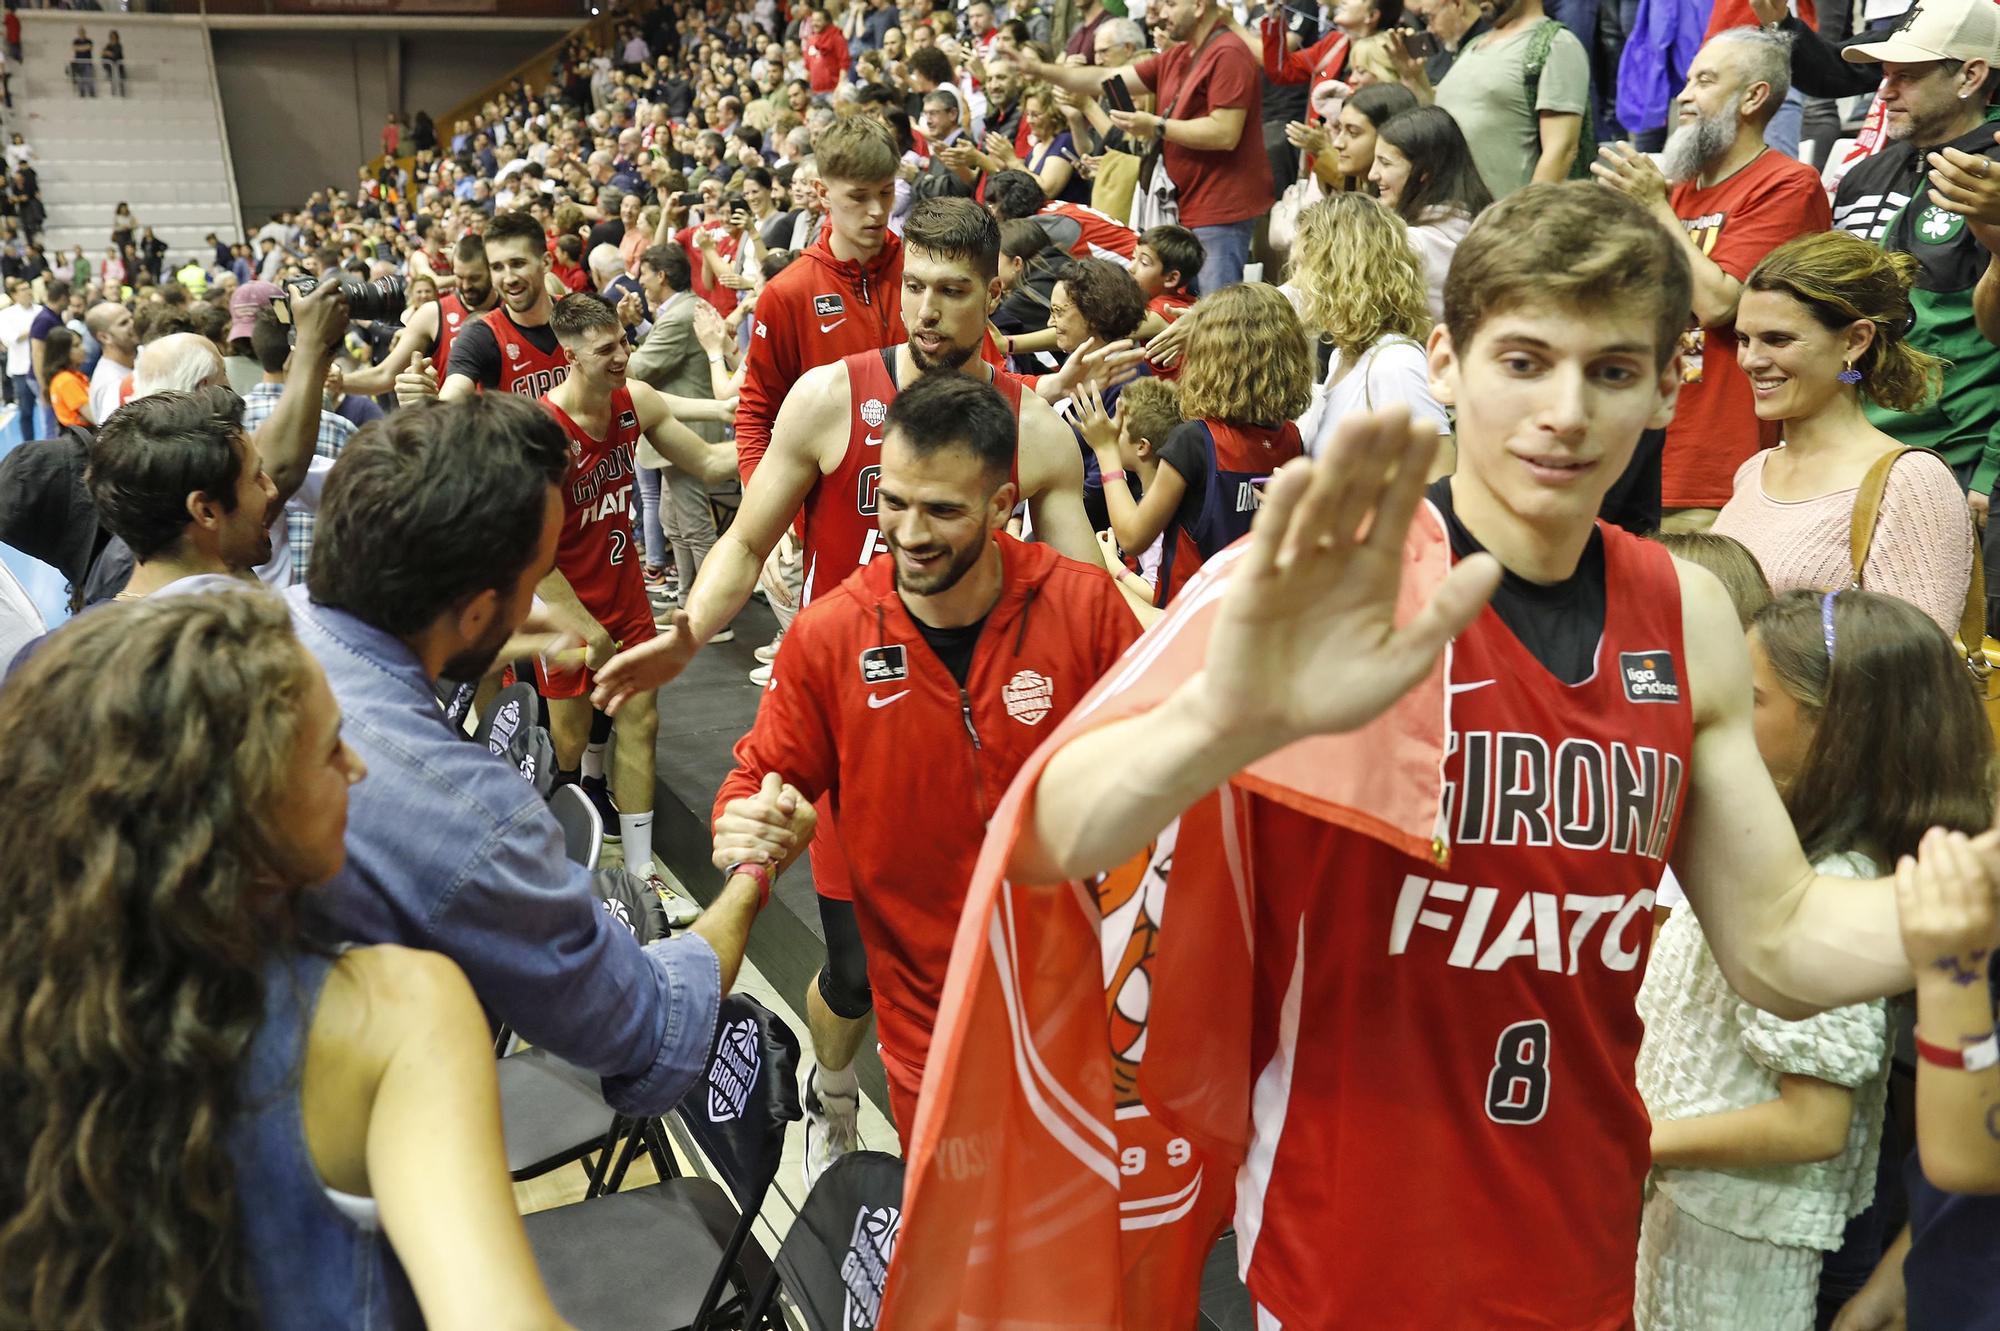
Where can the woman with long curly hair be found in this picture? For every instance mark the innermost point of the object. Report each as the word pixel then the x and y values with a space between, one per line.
pixel 208 1124
pixel 1822 329
pixel 1245 373
pixel 1358 287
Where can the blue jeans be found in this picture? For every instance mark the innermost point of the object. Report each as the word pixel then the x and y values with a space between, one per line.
pixel 1227 248
pixel 25 401
pixel 655 539
pixel 1783 131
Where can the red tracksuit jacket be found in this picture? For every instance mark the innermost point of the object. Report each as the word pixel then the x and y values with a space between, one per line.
pixel 816 311
pixel 860 708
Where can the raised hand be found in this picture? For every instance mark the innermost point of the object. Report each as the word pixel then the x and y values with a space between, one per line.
pixel 1950 920
pixel 418 381
pixel 1305 641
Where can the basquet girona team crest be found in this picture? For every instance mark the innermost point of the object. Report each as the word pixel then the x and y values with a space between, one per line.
pixel 734 1071
pixel 865 1269
pixel 873 413
pixel 1029 696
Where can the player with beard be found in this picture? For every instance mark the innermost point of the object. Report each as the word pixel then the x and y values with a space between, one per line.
pixel 1731 200
pixel 953 658
pixel 432 328
pixel 596 586
pixel 822 468
pixel 511 347
pixel 437 524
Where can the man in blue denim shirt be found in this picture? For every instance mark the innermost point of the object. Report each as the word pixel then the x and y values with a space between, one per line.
pixel 435 527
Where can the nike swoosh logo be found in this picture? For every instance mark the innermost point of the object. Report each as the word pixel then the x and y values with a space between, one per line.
pixel 872 440
pixel 1467 688
pixel 828 328
pixel 876 700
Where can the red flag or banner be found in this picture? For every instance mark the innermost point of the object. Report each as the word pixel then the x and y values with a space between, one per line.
pixel 1087 1098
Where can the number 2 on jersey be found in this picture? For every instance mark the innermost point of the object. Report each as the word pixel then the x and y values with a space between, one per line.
pixel 1517 1090
pixel 620 538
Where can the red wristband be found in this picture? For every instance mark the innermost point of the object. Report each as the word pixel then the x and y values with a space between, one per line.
pixel 1109 476
pixel 1974 1057
pixel 756 870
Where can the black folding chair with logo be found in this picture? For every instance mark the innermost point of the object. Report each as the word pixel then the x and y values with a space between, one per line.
pixel 664 1256
pixel 835 1259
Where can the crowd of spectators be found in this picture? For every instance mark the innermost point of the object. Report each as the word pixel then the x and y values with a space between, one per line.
pixel 1217 234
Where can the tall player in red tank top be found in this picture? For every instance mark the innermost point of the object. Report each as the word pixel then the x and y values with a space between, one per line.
pixel 823 459
pixel 1443 1127
pixel 596 588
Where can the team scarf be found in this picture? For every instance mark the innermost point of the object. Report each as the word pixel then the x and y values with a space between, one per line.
pixel 1091 1029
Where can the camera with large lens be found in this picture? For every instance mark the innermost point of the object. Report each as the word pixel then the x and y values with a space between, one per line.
pixel 378 300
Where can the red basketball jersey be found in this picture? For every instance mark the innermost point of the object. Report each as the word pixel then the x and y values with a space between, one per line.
pixel 595 551
pixel 452 316
pixel 524 368
pixel 1446 1132
pixel 840 528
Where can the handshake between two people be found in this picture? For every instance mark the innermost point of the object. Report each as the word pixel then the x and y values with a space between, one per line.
pixel 771 827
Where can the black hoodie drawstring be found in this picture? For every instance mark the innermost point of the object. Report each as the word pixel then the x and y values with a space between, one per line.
pixel 1021 633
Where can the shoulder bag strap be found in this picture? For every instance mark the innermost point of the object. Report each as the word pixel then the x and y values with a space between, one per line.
pixel 1867 509
pixel 1861 535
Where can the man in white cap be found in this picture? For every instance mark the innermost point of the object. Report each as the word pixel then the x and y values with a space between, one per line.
pixel 1937 75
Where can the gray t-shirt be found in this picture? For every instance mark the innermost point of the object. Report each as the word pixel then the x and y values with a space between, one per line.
pixel 1487 94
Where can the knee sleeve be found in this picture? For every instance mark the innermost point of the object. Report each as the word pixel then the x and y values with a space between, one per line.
pixel 843 980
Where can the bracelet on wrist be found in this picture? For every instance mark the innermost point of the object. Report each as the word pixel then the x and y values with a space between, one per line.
pixel 1975 1056
pixel 758 873
pixel 1109 476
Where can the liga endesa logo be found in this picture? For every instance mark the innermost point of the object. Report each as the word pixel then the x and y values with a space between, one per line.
pixel 1649 677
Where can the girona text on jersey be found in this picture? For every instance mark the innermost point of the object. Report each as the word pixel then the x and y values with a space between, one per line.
pixel 1513 790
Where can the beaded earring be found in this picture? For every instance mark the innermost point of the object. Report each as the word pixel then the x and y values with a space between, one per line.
pixel 1850 375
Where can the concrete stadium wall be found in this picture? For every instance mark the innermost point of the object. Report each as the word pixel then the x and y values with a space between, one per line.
pixel 305 110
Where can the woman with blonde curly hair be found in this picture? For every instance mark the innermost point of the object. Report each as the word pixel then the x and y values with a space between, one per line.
pixel 1246 372
pixel 207 1123
pixel 1358 287
pixel 1820 329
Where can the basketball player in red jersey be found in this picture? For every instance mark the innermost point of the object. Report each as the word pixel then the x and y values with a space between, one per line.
pixel 959 654
pixel 1444 1129
pixel 596 587
pixel 842 294
pixel 431 330
pixel 825 462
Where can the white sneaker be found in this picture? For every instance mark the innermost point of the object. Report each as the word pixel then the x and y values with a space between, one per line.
pixel 769 651
pixel 681 912
pixel 833 1125
pixel 725 635
pixel 761 675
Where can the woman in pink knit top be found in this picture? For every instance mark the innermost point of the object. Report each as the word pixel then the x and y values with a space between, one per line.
pixel 1815 307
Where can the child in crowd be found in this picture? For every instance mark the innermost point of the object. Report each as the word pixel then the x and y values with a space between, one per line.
pixel 1246 374
pixel 1164 264
pixel 1766 1132
pixel 1148 411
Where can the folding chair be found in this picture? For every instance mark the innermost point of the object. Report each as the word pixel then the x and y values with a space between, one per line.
pixel 582 824
pixel 552 1112
pixel 835 1260
pixel 663 1256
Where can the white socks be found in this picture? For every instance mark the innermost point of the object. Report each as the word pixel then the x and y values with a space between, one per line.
pixel 593 760
pixel 635 832
pixel 843 1082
